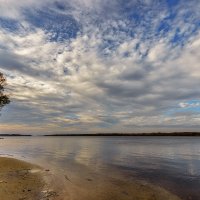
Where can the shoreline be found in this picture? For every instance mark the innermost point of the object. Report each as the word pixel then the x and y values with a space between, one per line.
pixel 20 180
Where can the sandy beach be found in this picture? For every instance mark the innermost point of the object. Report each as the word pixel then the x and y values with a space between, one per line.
pixel 20 180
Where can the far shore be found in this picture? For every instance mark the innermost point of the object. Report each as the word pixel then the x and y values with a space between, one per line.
pixel 108 134
pixel 15 135
pixel 131 134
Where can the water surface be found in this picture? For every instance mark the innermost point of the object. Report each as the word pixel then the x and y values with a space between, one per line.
pixel 170 162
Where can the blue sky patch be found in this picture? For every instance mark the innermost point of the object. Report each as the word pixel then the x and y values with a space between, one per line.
pixel 58 26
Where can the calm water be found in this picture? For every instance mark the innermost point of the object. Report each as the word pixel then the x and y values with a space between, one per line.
pixel 170 162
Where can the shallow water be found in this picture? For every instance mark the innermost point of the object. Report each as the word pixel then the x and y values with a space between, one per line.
pixel 170 162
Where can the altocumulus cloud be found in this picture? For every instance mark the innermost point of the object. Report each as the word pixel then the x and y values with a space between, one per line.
pixel 90 66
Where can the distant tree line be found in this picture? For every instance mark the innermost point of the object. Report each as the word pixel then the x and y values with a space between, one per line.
pixel 131 134
pixel 4 99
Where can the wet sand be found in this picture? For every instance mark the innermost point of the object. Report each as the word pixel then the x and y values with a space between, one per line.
pixel 89 186
pixel 20 180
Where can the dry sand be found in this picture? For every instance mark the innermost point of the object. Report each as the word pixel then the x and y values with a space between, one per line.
pixel 20 180
pixel 23 181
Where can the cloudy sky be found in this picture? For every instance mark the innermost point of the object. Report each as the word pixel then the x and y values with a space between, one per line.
pixel 79 66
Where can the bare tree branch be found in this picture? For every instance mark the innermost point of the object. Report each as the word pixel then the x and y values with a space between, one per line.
pixel 4 99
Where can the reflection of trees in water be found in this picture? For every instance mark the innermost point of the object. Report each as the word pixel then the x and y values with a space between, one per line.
pixel 4 99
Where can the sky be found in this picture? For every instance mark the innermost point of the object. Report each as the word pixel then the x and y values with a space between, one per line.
pixel 90 66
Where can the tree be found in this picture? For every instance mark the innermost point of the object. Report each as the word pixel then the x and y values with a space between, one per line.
pixel 4 99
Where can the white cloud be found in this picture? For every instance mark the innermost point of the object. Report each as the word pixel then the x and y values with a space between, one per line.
pixel 103 78
pixel 13 9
